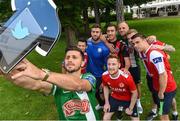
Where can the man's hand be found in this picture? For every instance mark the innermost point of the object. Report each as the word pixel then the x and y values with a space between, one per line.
pixel 106 107
pixel 160 95
pixel 26 68
pixel 129 111
pixel 151 39
pixel 158 47
pixel 111 47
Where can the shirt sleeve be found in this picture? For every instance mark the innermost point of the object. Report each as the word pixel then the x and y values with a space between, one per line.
pixel 131 83
pixel 157 59
pixel 91 79
pixel 103 81
pixel 125 52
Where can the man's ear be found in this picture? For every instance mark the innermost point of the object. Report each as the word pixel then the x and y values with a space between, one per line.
pixel 119 65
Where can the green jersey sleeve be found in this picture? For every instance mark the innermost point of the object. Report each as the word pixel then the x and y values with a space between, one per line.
pixel 90 78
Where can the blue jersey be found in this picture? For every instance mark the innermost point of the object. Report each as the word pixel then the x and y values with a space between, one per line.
pixel 97 57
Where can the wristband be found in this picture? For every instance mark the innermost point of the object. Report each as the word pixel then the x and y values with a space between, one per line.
pixel 47 74
pixel 161 106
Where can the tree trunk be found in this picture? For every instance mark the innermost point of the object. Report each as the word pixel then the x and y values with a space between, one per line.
pixel 70 36
pixel 85 20
pixel 96 12
pixel 119 11
pixel 107 16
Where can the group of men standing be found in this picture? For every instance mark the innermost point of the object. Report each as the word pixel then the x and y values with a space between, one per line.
pixel 126 52
pixel 112 75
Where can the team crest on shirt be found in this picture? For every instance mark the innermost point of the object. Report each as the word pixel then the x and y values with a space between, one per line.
pixel 70 107
pixel 121 85
pixel 99 50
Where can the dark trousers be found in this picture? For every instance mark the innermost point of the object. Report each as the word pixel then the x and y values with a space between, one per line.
pixel 99 91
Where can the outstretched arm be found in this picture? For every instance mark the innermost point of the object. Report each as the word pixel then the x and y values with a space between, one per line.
pixel 65 81
pixel 31 84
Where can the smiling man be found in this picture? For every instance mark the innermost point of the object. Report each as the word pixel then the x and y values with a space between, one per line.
pixel 158 67
pixel 74 92
pixel 121 49
pixel 97 53
pixel 119 90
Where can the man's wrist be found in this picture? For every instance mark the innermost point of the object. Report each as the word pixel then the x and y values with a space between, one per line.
pixel 44 74
pixel 130 108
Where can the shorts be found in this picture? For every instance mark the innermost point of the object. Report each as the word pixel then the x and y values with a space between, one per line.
pixel 115 104
pixel 136 74
pixel 168 97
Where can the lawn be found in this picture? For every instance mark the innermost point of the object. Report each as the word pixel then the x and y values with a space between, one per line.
pixel 19 104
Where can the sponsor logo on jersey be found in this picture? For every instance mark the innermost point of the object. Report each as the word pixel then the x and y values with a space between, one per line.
pixel 117 89
pixel 157 60
pixel 71 106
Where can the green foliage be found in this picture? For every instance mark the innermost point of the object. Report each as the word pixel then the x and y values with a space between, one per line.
pixel 137 2
pixel 5 10
pixel 127 16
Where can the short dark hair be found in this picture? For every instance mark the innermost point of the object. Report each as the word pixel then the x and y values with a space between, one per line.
pixel 112 25
pixel 138 35
pixel 96 26
pixel 111 55
pixel 82 39
pixel 75 48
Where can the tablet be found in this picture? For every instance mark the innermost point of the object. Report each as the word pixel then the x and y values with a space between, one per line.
pixel 18 39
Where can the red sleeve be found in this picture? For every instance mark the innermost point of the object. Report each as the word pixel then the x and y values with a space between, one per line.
pixel 104 80
pixel 131 83
pixel 85 59
pixel 159 43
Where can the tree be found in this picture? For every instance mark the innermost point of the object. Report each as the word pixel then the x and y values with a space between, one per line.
pixel 96 12
pixel 85 16
pixel 119 11
pixel 70 16
pixel 5 10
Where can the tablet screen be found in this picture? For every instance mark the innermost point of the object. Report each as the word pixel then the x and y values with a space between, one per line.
pixel 17 38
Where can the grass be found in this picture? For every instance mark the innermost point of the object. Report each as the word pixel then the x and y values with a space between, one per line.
pixel 20 104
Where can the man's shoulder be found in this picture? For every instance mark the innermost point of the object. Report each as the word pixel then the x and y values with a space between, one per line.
pixel 87 75
pixel 124 73
pixel 106 73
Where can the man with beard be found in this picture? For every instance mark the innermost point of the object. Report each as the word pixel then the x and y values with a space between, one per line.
pixel 121 49
pixel 158 67
pixel 97 53
pixel 119 90
pixel 74 92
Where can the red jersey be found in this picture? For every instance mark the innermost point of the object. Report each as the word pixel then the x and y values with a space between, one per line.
pixel 157 63
pixel 143 56
pixel 157 42
pixel 83 69
pixel 121 86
